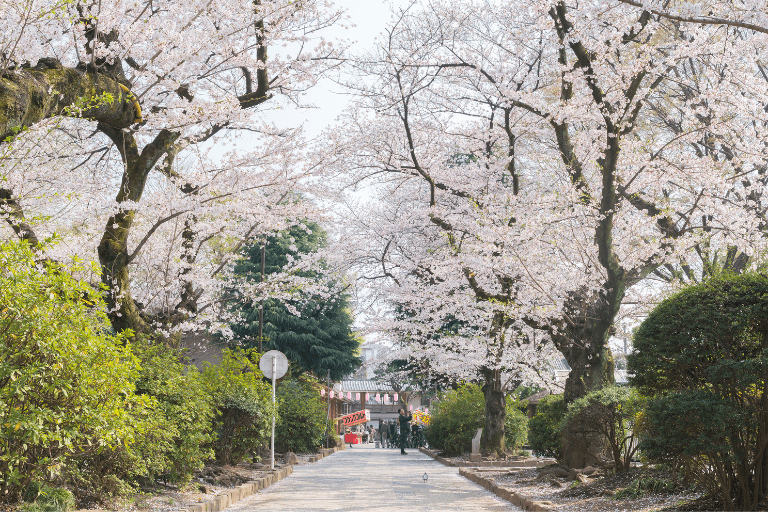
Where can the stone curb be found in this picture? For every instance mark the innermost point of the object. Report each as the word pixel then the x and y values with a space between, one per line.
pixel 484 464
pixel 232 496
pixel 504 492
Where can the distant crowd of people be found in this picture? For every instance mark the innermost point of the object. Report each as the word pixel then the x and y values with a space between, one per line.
pixel 399 433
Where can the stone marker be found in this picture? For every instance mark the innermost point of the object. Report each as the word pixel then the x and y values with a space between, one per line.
pixel 291 458
pixel 475 455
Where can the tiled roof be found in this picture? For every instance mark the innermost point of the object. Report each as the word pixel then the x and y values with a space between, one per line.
pixel 366 386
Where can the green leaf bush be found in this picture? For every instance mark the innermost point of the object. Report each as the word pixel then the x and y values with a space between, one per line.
pixel 66 383
pixel 614 413
pixel 302 424
pixel 545 432
pixel 243 405
pixel 175 432
pixel 458 414
pixel 703 356
pixel 515 425
pixel 455 417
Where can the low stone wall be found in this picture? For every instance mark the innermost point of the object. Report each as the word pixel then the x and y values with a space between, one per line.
pixel 483 464
pixel 504 493
pixel 225 499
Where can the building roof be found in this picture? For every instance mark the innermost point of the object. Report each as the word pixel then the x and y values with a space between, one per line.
pixel 366 386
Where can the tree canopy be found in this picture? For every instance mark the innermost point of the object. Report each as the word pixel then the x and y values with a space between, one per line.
pixel 315 333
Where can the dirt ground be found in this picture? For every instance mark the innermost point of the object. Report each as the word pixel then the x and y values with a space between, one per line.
pixel 206 484
pixel 595 489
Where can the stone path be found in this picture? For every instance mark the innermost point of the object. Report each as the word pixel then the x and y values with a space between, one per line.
pixel 363 478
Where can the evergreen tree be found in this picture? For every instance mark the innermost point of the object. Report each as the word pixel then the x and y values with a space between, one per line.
pixel 321 337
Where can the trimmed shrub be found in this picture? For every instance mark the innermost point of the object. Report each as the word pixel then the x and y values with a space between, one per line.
pixel 704 354
pixel 303 416
pixel 545 434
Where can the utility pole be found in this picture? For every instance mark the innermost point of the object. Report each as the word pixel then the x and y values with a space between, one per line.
pixel 261 304
pixel 328 417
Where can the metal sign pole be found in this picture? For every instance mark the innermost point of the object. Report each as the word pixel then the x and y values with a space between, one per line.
pixel 274 372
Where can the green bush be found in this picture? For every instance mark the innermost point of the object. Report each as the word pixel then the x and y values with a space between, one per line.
pixel 612 413
pixel 545 434
pixel 66 384
pixel 243 403
pixel 455 418
pixel 302 418
pixel 515 425
pixel 458 414
pixel 703 354
pixel 175 433
pixel 50 499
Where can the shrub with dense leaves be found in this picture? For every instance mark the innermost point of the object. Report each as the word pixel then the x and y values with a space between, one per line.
pixel 612 413
pixel 176 432
pixel 545 433
pixel 704 354
pixel 302 418
pixel 458 414
pixel 66 383
pixel 243 403
pixel 455 418
pixel 515 425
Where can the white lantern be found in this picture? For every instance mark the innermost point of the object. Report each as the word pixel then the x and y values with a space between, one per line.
pixel 395 397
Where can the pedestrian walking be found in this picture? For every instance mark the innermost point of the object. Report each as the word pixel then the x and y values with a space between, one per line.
pixel 405 418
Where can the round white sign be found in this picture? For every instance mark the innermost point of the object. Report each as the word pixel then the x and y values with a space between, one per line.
pixel 281 364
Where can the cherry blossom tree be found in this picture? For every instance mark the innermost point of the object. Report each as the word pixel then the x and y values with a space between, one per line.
pixel 563 153
pixel 125 130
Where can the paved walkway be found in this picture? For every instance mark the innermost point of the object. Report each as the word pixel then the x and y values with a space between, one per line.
pixel 363 478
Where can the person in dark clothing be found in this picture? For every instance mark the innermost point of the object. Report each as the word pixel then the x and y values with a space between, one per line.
pixel 404 419
pixel 392 434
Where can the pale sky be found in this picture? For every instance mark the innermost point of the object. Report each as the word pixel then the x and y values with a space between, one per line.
pixel 370 17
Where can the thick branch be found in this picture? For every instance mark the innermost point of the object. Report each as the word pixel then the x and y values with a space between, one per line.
pixel 699 20
pixel 14 216
pixel 30 95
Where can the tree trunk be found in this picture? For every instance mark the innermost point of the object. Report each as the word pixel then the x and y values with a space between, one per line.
pixel 113 247
pixel 493 438
pixel 584 344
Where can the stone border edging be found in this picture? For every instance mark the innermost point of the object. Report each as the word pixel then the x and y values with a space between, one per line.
pixel 232 496
pixel 484 464
pixel 504 492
